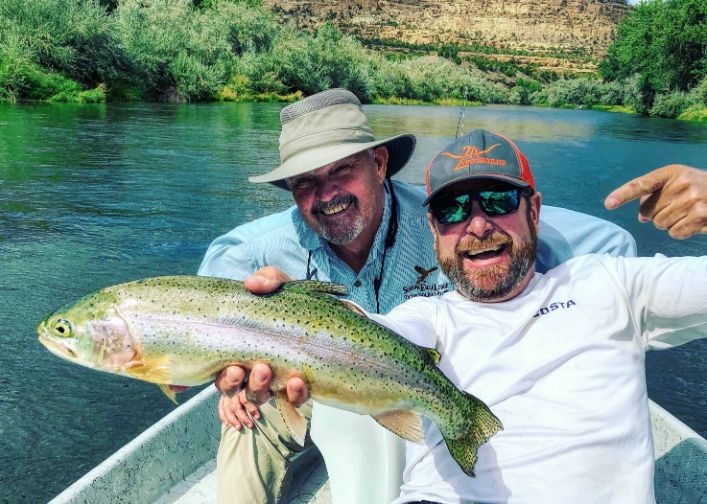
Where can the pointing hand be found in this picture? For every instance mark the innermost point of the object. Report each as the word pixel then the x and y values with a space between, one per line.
pixel 674 197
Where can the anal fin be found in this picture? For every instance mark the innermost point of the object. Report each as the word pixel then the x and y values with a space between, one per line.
pixel 295 421
pixel 405 423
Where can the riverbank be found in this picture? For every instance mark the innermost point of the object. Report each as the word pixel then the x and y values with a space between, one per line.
pixel 179 51
pixel 98 95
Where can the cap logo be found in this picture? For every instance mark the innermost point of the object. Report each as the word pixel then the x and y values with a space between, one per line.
pixel 472 155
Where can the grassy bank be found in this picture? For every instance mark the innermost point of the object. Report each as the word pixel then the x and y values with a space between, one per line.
pixel 234 50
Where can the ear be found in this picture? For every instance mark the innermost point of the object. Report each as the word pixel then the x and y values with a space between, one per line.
pixel 535 203
pixel 380 158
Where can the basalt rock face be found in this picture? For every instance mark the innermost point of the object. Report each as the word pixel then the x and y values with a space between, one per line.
pixel 526 25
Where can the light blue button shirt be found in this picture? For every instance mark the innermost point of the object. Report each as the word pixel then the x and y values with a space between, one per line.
pixel 284 241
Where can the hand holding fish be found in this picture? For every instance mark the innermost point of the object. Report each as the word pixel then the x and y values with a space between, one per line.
pixel 674 197
pixel 240 399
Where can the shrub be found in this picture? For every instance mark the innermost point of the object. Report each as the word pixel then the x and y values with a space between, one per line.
pixel 670 105
pixel 433 81
pixel 71 37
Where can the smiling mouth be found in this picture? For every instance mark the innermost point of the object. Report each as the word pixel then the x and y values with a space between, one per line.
pixel 335 209
pixel 485 252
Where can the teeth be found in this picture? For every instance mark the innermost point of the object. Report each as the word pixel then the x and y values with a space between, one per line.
pixel 335 210
pixel 481 251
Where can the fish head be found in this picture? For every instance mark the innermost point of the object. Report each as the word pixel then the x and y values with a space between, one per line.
pixel 91 332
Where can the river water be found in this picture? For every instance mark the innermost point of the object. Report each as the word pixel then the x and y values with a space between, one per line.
pixel 96 195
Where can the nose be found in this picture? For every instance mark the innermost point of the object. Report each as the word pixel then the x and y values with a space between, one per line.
pixel 326 190
pixel 479 224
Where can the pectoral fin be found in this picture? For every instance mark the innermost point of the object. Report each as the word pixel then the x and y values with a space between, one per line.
pixel 168 392
pixel 295 421
pixel 405 423
pixel 151 370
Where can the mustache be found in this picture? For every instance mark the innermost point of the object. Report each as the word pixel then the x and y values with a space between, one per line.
pixel 472 243
pixel 344 199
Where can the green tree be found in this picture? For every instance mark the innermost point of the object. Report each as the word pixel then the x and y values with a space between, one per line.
pixel 665 41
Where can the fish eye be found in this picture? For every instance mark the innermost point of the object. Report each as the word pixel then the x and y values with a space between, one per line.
pixel 62 327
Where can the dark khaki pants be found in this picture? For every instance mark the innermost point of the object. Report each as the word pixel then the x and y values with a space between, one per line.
pixel 252 465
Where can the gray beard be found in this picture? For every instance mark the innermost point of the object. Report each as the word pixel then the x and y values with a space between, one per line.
pixel 338 235
pixel 522 259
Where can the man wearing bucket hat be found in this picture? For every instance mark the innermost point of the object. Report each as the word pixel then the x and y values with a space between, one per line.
pixel 355 227
pixel 559 357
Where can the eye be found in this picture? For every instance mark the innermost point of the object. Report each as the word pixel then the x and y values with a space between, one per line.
pixel 340 171
pixel 62 328
pixel 300 184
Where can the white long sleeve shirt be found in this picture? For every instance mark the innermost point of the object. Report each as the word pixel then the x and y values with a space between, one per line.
pixel 562 366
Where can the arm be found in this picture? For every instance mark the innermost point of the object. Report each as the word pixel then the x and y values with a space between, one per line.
pixel 228 257
pixel 668 297
pixel 565 234
pixel 674 197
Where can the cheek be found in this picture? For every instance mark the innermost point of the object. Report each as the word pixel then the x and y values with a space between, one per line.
pixel 114 342
pixel 303 200
pixel 445 245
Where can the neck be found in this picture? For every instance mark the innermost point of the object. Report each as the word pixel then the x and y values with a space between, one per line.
pixel 517 291
pixel 356 252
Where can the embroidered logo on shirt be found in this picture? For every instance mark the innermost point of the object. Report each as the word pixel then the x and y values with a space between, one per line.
pixel 555 306
pixel 472 155
pixel 423 274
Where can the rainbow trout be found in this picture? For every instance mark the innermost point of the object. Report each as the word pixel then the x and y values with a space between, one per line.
pixel 183 330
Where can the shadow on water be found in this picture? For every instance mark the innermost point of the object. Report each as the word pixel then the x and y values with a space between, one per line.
pixel 96 195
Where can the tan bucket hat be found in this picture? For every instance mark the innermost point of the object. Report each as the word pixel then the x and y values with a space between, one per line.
pixel 324 128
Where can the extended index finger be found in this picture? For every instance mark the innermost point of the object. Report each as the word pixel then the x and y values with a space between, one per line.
pixel 638 187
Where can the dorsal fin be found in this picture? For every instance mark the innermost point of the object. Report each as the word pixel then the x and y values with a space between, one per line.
pixel 405 423
pixel 316 287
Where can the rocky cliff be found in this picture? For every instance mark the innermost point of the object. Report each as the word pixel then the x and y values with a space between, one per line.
pixel 535 26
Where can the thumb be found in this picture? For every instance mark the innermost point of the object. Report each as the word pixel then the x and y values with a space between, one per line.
pixel 638 187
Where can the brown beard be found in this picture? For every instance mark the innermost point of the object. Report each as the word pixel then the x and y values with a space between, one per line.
pixel 503 279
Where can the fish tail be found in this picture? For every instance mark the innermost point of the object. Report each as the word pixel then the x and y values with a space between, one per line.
pixel 481 425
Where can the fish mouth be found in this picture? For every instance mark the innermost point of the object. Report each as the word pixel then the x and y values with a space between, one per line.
pixel 56 348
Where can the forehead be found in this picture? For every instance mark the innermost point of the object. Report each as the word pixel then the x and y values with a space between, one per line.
pixel 476 185
pixel 324 170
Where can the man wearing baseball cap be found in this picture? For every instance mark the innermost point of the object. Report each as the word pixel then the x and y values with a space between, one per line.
pixel 353 226
pixel 558 357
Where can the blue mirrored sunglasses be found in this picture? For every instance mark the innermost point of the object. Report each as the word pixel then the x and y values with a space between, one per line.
pixel 455 208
